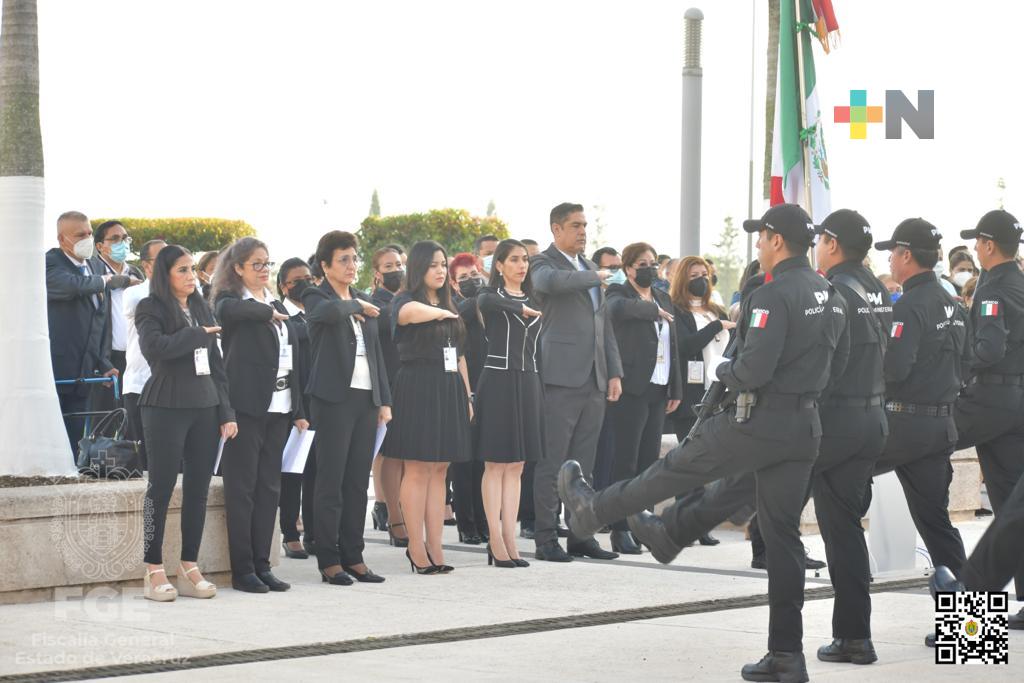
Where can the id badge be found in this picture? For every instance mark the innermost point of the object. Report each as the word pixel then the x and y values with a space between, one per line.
pixel 202 358
pixel 451 359
pixel 695 372
pixel 284 361
pixel 360 345
pixel 661 352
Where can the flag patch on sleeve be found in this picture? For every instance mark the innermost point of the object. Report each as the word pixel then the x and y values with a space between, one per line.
pixel 989 308
pixel 759 318
pixel 897 330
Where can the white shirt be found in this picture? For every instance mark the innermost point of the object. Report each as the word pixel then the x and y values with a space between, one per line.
pixel 716 296
pixel 79 265
pixel 361 369
pixel 280 401
pixel 118 323
pixel 662 367
pixel 714 349
pixel 136 371
pixel 292 309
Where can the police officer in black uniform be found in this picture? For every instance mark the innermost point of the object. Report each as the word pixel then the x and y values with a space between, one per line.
pixel 923 378
pixel 990 411
pixel 854 430
pixel 783 361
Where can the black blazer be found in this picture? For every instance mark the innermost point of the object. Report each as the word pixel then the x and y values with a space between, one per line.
pixel 381 298
pixel 633 319
pixel 691 347
pixel 168 343
pixel 333 344
pixel 251 351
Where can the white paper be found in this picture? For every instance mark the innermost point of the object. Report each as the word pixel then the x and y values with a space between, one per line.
pixel 220 452
pixel 296 450
pixel 382 429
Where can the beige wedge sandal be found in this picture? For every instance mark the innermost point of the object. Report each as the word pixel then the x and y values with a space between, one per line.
pixel 203 590
pixel 163 592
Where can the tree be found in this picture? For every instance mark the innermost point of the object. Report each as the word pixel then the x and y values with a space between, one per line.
pixel 195 234
pixel 490 208
pixel 454 229
pixel 728 261
pixel 28 400
pixel 375 204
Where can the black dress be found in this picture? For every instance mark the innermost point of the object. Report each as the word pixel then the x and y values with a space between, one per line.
pixel 430 408
pixel 509 423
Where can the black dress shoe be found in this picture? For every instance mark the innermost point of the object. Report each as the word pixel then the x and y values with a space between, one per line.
pixel 578 498
pixel 552 552
pixel 929 640
pixel 339 579
pixel 562 530
pixel 651 531
pixel 943 581
pixel 788 667
pixel 758 562
pixel 605 529
pixel 811 563
pixel 1016 621
pixel 379 515
pixel 367 577
pixel 469 539
pixel 273 583
pixel 622 542
pixel 249 583
pixel 853 650
pixel 294 554
pixel 590 549
pixel 526 529
pixel 708 539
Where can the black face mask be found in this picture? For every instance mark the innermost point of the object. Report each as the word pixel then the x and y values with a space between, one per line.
pixel 714 280
pixel 698 287
pixel 471 287
pixel 295 293
pixel 645 276
pixel 392 281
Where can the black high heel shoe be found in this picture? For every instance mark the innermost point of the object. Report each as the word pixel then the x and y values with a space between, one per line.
pixel 441 568
pixel 431 569
pixel 367 577
pixel 294 554
pixel 520 562
pixel 508 564
pixel 379 515
pixel 469 539
pixel 339 579
pixel 395 540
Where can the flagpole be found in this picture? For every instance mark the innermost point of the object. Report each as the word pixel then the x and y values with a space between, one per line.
pixel 804 144
pixel 750 162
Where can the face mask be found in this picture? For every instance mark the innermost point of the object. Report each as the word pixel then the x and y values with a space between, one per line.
pixel 714 280
pixel 295 293
pixel 940 268
pixel 471 287
pixel 960 278
pixel 645 277
pixel 618 277
pixel 84 249
pixel 895 296
pixel 698 287
pixel 488 262
pixel 119 252
pixel 392 281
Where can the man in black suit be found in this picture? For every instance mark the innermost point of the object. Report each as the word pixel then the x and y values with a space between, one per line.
pixel 77 307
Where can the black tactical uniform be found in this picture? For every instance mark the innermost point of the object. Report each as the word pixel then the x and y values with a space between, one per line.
pixel 787 341
pixel 990 411
pixel 923 377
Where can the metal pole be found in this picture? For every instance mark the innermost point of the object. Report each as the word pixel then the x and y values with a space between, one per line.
pixel 804 145
pixel 693 76
pixel 750 162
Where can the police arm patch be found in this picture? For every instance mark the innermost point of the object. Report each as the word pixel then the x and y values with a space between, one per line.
pixel 989 309
pixel 897 330
pixel 759 318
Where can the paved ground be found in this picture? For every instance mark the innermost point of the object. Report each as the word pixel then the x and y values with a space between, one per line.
pixel 709 645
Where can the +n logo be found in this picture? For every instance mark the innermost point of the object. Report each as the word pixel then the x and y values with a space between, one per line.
pixel 858 114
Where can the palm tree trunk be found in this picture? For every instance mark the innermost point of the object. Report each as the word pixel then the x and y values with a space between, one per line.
pixel 34 442
pixel 769 104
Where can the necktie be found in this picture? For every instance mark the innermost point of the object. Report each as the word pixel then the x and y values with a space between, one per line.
pixel 86 272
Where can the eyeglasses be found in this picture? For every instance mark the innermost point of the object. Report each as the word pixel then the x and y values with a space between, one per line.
pixel 117 239
pixel 260 266
pixel 348 260
pixel 292 283
pixel 645 264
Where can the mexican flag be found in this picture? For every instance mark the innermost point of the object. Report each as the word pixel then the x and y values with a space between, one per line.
pixel 787 184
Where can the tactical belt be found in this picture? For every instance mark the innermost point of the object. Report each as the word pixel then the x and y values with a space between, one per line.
pixel 282 383
pixel 786 401
pixel 853 401
pixel 992 378
pixel 944 410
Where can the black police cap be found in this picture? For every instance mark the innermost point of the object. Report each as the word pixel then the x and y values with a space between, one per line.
pixel 997 225
pixel 789 220
pixel 848 227
pixel 913 233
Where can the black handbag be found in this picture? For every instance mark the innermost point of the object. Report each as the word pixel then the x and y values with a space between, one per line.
pixel 109 457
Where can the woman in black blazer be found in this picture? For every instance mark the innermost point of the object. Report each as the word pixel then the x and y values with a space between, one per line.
pixel 350 397
pixel 259 343
pixel 651 383
pixel 184 406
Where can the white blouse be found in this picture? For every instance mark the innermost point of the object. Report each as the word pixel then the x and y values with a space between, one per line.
pixel 714 349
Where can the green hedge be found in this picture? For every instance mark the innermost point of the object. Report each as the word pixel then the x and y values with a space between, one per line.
pixel 195 234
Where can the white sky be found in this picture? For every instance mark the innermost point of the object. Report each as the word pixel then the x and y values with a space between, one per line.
pixel 266 110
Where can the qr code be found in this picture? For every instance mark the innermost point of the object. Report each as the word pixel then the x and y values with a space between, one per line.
pixel 970 628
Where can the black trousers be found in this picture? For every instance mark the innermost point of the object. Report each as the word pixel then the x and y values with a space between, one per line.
pixel 998 555
pixel 638 422
pixel 72 402
pixel 467 497
pixel 133 427
pixel 605 452
pixel 526 508
pixel 918 450
pixel 991 418
pixel 177 436
pixel 344 438
pixel 297 492
pixel 779 447
pixel 251 466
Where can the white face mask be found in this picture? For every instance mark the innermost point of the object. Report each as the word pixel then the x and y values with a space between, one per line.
pixel 84 249
pixel 940 268
pixel 960 279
